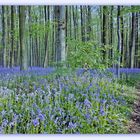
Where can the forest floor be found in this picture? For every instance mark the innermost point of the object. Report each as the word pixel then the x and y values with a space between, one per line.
pixel 135 118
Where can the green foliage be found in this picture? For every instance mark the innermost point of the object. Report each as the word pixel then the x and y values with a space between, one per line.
pixel 129 9
pixel 90 53
pixel 81 53
pixel 130 80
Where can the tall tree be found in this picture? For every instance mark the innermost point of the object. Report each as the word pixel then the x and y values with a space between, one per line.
pixel 133 37
pixel 47 19
pixel 89 27
pixel 60 36
pixel 137 40
pixel 122 38
pixel 12 37
pixel 82 23
pixel 104 32
pixel 23 48
pixel 4 35
pixel 119 41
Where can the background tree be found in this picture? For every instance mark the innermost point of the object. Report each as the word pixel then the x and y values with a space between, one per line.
pixel 70 34
pixel 23 48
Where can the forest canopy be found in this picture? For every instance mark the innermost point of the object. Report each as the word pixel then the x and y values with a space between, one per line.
pixel 103 36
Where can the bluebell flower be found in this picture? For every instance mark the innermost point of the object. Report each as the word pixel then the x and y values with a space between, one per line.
pixel 102 112
pixel 15 117
pixel 56 120
pixel 35 122
pixel 114 101
pixel 87 103
pixel 90 85
pixel 39 111
pixel 12 124
pixel 41 117
pixel 103 101
pixel 71 96
pixel 3 112
pixel 1 130
pixel 72 125
pixel 87 116
pixel 5 123
pixel 95 118
pixel 53 91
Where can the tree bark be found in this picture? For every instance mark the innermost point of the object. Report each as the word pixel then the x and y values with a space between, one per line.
pixel 119 42
pixel 46 36
pixel 60 36
pixel 133 37
pixel 4 36
pixel 23 54
pixel 12 37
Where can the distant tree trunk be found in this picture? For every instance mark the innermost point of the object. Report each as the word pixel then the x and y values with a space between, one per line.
pixel 23 54
pixel 60 37
pixel 119 42
pixel 12 37
pixel 4 36
pixel 89 28
pixel 137 40
pixel 133 37
pixel 122 39
pixel 128 53
pixel 82 24
pixel 36 45
pixel 17 54
pixel 54 26
pixel 101 25
pixel 46 35
pixel 111 33
pixel 104 34
pixel 8 39
pixel 74 22
pixel 30 37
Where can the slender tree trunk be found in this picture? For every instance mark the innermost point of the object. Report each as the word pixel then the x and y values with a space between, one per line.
pixel 137 40
pixel 111 33
pixel 12 37
pixel 4 35
pixel 60 38
pixel 74 22
pixel 122 39
pixel 89 28
pixel 30 36
pixel 104 37
pixel 132 55
pixel 46 35
pixel 23 54
pixel 119 42
pixel 82 24
pixel 8 36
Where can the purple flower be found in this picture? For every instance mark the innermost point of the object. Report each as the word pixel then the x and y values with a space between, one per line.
pixel 1 130
pixel 72 125
pixel 35 122
pixel 95 118
pixel 41 117
pixel 12 124
pixel 87 103
pixel 53 91
pixel 88 88
pixel 5 122
pixel 102 112
pixel 114 101
pixel 3 112
pixel 38 111
pixel 103 101
pixel 87 116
